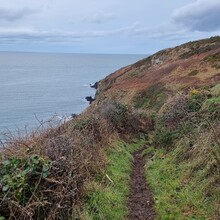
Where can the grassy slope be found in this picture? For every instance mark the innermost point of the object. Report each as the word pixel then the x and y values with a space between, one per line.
pixel 178 195
pixel 184 171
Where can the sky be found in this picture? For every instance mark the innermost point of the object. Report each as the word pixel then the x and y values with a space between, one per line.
pixel 101 26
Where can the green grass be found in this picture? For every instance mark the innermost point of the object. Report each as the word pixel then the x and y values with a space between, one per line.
pixel 177 195
pixel 153 97
pixel 107 199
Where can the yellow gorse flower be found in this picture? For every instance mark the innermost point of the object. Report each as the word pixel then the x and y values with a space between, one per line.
pixel 194 92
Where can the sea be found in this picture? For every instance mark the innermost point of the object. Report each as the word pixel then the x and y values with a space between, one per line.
pixel 35 87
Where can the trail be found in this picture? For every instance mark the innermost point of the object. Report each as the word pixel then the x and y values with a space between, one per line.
pixel 141 204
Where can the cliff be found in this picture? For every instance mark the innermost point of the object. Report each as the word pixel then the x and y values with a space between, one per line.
pixel 193 64
pixel 168 102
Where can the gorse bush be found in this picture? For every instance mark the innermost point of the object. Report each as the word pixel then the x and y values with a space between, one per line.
pixel 195 101
pixel 163 137
pixel 121 118
pixel 115 113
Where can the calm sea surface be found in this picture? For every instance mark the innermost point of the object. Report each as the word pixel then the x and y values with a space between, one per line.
pixel 47 84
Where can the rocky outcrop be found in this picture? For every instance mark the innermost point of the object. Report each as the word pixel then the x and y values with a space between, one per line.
pixel 90 99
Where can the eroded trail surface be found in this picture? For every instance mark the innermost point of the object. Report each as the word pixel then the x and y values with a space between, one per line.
pixel 141 204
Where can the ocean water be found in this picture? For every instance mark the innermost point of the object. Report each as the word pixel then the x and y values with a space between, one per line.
pixel 40 85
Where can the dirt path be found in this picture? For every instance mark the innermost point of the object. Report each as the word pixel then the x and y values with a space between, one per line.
pixel 140 201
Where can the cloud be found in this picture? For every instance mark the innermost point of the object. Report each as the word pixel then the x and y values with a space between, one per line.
pixel 99 18
pixel 25 35
pixel 11 15
pixel 201 15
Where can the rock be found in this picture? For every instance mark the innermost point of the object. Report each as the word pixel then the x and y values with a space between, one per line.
pixel 90 99
pixel 73 115
pixel 95 85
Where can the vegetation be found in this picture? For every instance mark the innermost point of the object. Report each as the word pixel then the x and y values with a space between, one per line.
pixel 107 197
pixel 48 170
pixel 201 46
pixel 152 98
pixel 184 170
pixel 193 73
pixel 177 196
pixel 80 169
pixel 46 175
pixel 214 60
pixel 16 175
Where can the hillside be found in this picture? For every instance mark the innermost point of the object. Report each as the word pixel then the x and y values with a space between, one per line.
pixel 193 64
pixel 159 116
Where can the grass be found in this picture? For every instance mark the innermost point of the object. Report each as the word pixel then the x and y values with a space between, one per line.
pixel 214 60
pixel 107 197
pixel 216 90
pixel 153 97
pixel 176 195
pixel 184 166
pixel 200 46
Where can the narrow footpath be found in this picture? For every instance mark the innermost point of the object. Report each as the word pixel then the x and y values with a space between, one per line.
pixel 141 204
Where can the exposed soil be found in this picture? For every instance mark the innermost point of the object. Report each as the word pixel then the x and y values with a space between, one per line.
pixel 141 204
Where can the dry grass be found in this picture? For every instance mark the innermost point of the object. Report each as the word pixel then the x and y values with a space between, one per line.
pixel 76 154
pixel 75 159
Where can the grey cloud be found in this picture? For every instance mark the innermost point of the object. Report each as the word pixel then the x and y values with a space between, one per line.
pixel 99 18
pixel 11 15
pixel 201 15
pixel 12 36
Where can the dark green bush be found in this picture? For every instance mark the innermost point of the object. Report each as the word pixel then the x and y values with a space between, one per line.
pixel 163 137
pixel 193 73
pixel 18 177
pixel 195 102
pixel 116 114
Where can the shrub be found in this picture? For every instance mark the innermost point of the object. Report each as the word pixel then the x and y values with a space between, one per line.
pixel 163 137
pixel 20 180
pixel 116 114
pixel 193 73
pixel 195 101
pixel 214 60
